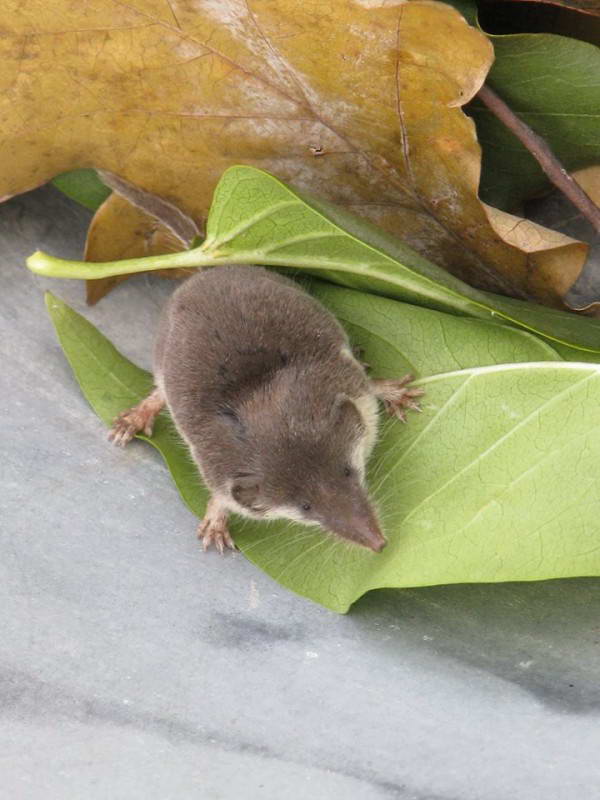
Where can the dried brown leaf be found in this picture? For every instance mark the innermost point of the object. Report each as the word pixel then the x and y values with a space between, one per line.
pixel 121 230
pixel 359 102
pixel 182 226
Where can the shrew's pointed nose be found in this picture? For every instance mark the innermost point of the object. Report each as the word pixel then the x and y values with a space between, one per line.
pixel 356 521
pixel 370 536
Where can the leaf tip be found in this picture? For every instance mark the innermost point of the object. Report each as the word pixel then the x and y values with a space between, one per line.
pixel 248 170
pixel 53 303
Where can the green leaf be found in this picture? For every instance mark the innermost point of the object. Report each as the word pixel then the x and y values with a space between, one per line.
pixel 256 219
pixel 84 186
pixel 553 83
pixel 398 338
pixel 494 481
pixel 571 354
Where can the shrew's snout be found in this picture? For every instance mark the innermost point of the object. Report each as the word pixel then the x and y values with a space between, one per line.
pixel 377 541
pixel 354 519
pixel 370 536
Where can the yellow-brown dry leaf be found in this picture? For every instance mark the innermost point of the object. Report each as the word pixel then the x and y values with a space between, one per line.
pixel 589 180
pixel 358 102
pixel 121 230
pixel 545 249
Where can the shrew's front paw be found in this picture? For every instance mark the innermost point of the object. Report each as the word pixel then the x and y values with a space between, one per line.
pixel 396 397
pixel 126 425
pixel 136 419
pixel 212 532
pixel 213 528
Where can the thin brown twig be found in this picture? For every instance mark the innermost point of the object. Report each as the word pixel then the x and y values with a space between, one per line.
pixel 542 153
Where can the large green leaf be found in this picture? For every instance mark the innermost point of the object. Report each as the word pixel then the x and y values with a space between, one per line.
pixel 494 481
pixel 256 219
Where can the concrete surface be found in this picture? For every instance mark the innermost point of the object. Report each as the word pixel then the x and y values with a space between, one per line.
pixel 132 665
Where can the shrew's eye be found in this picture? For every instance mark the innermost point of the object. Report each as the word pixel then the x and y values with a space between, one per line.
pixel 306 506
pixel 347 472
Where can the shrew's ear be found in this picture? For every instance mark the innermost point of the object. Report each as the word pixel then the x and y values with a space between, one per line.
pixel 245 490
pixel 346 413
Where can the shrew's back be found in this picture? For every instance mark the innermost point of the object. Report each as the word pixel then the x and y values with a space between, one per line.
pixel 228 327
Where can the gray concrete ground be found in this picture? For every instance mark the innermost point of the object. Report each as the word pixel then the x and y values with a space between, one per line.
pixel 133 666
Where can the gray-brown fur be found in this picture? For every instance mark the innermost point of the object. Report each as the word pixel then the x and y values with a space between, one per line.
pixel 278 414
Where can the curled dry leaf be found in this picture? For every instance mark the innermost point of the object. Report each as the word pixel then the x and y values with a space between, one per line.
pixel 121 230
pixel 544 249
pixel 182 226
pixel 356 101
pixel 588 287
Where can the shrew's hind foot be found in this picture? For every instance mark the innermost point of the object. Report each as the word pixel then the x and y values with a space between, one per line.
pixel 396 397
pixel 136 419
pixel 213 528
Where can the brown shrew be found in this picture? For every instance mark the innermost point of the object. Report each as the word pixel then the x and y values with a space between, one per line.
pixel 278 413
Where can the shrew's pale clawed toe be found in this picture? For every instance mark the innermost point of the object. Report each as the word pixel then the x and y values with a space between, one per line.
pixel 396 397
pixel 136 419
pixel 213 528
pixel 212 532
pixel 124 428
